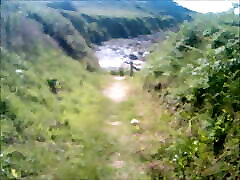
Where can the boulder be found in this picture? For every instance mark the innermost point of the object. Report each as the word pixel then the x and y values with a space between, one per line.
pixel 133 57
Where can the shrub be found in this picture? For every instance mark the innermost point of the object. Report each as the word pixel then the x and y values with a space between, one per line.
pixel 203 82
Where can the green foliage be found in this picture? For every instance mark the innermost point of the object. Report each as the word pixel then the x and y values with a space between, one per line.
pixel 96 29
pixel 95 21
pixel 198 72
pixel 27 28
pixel 50 119
pixel 19 34
pixel 62 31
pixel 65 5
pixel 73 26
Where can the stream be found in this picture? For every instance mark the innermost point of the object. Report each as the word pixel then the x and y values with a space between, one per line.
pixel 116 54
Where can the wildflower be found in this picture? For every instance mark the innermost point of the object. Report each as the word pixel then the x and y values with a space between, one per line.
pixel 19 71
pixel 135 121
pixel 195 142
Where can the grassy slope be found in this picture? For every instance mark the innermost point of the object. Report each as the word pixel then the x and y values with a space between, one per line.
pixel 195 74
pixel 23 22
pixel 66 135
pixel 48 135
pixel 57 136
pixel 107 19
pixel 120 9
pixel 73 26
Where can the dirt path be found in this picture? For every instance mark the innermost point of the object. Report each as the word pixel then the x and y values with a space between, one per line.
pixel 125 160
pixel 118 90
pixel 131 121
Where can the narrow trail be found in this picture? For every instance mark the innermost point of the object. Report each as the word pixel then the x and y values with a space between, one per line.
pixel 118 90
pixel 124 161
pixel 131 122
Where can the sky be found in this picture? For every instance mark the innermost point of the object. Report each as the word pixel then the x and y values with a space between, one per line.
pixel 204 6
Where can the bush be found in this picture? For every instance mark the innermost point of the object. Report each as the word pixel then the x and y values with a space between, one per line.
pixel 203 82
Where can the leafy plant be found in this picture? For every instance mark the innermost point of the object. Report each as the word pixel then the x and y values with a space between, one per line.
pixel 200 74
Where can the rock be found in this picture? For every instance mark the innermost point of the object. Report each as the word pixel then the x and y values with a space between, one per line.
pixel 114 48
pixel 145 53
pixel 135 122
pixel 135 53
pixel 133 57
pixel 138 64
pixel 115 123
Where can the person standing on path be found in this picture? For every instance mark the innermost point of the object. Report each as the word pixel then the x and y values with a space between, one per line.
pixel 131 68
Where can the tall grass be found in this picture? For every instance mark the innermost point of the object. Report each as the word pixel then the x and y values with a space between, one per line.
pixel 46 135
pixel 195 73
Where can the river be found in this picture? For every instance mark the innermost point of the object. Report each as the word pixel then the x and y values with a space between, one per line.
pixel 117 53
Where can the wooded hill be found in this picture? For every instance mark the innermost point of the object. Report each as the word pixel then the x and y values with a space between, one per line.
pixel 73 25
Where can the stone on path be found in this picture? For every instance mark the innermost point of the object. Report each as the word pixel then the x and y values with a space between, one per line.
pixel 118 164
pixel 115 123
pixel 134 121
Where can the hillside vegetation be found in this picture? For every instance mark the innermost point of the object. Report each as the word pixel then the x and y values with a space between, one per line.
pixel 73 26
pixel 195 74
pixel 57 124
pixel 52 107
pixel 28 27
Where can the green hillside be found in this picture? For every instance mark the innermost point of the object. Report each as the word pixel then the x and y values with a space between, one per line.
pixel 178 118
pixel 75 25
pixel 51 105
pixel 195 74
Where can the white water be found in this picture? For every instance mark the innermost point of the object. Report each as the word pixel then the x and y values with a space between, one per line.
pixel 113 54
pixel 109 59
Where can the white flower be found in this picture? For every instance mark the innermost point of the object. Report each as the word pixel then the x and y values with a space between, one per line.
pixel 19 71
pixel 135 121
pixel 195 142
pixel 194 73
pixel 166 74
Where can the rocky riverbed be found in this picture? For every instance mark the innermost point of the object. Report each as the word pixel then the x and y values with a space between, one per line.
pixel 117 53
